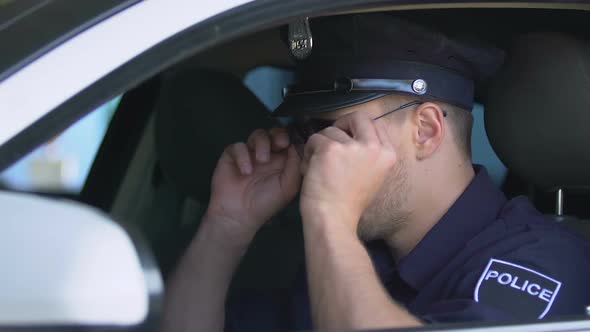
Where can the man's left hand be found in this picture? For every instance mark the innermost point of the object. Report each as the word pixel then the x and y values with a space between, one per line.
pixel 344 167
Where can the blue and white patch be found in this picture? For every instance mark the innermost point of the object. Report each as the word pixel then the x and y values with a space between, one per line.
pixel 516 289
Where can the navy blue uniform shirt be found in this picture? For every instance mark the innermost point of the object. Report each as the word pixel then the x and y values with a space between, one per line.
pixel 486 259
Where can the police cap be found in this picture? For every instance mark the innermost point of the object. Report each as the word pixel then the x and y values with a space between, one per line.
pixel 343 61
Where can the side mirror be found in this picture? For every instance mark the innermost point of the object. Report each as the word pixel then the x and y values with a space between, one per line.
pixel 66 264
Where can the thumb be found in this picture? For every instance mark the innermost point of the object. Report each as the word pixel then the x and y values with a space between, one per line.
pixel 290 178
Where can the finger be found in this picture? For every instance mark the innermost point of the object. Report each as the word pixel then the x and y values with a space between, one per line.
pixel 279 138
pixel 259 143
pixel 314 143
pixel 336 134
pixel 290 178
pixel 241 156
pixel 303 167
pixel 359 125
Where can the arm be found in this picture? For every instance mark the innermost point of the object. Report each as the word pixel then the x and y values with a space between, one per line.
pixel 344 288
pixel 198 288
pixel 344 168
pixel 251 183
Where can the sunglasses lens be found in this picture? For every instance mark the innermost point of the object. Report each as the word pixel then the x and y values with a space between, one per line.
pixel 296 139
pixel 300 132
pixel 319 125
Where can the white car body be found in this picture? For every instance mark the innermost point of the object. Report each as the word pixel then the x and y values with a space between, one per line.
pixel 58 75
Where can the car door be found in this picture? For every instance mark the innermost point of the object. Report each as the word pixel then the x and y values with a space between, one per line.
pixel 120 47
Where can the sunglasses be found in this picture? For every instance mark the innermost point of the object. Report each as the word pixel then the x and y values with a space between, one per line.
pixel 301 129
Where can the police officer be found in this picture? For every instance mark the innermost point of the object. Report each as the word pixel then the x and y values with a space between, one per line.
pixel 400 228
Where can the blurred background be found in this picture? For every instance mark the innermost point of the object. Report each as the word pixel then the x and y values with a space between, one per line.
pixel 62 165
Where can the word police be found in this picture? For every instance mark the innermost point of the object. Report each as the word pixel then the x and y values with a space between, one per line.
pixel 508 280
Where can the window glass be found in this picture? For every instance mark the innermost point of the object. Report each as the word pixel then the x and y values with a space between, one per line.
pixel 62 164
pixel 267 84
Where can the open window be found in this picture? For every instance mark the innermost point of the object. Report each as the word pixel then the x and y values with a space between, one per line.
pixel 61 166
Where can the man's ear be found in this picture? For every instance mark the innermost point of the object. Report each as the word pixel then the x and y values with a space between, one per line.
pixel 429 131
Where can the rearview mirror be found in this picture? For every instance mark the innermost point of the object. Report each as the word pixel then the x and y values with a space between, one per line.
pixel 66 264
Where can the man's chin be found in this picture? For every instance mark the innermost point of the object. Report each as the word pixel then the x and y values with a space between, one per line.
pixel 370 229
pixel 367 232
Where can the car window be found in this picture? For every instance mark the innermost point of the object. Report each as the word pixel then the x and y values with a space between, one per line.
pixel 267 82
pixel 61 165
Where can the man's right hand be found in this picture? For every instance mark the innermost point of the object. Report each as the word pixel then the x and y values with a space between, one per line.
pixel 252 182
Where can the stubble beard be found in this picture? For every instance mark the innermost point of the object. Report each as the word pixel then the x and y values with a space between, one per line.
pixel 388 213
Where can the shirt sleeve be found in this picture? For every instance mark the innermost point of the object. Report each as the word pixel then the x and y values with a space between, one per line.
pixel 534 282
pixel 255 311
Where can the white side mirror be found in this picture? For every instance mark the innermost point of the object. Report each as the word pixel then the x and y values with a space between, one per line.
pixel 66 264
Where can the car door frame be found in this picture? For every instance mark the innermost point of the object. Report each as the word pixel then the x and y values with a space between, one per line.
pixel 248 17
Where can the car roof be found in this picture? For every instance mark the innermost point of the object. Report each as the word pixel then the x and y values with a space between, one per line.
pixel 32 27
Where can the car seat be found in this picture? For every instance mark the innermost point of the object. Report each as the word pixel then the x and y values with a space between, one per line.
pixel 198 114
pixel 537 118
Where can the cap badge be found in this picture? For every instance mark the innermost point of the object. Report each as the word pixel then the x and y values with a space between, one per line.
pixel 300 38
pixel 419 86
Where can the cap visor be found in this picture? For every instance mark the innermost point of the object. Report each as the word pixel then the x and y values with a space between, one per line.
pixel 315 103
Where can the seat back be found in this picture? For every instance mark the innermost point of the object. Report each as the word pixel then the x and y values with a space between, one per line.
pixel 199 113
pixel 538 112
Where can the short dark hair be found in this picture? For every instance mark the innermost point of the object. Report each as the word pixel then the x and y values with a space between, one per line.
pixel 460 121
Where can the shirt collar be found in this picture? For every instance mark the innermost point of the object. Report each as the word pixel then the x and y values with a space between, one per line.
pixel 479 205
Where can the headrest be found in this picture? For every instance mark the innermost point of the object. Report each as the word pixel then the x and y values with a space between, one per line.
pixel 198 114
pixel 538 111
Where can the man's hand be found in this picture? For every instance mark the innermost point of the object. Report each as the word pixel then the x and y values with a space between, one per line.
pixel 252 182
pixel 344 167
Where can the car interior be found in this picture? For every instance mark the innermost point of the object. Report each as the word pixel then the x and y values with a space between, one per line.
pixel 154 166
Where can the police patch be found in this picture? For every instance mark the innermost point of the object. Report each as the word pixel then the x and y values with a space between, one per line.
pixel 517 289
